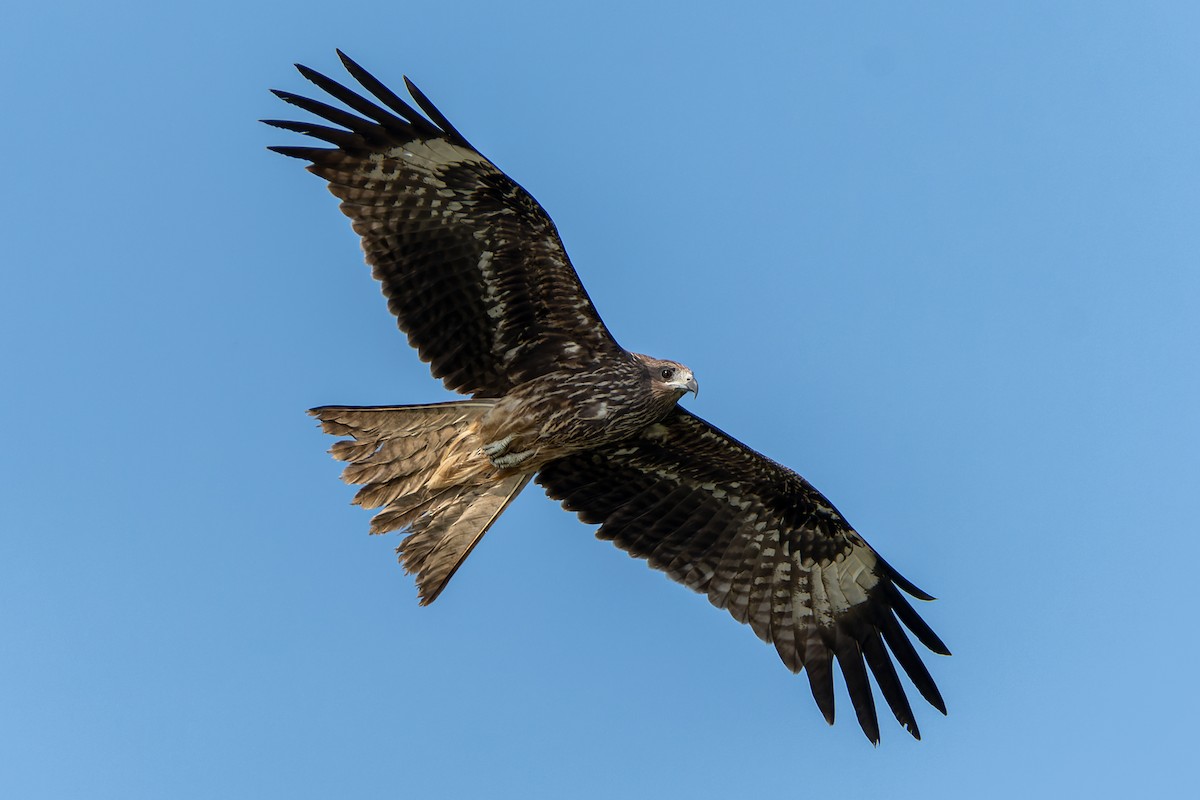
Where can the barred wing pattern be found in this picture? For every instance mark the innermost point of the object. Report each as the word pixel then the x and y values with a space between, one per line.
pixel 471 265
pixel 763 544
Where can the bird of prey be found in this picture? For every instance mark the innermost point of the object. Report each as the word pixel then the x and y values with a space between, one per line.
pixel 475 274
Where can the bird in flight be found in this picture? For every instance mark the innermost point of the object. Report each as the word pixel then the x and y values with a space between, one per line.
pixel 475 273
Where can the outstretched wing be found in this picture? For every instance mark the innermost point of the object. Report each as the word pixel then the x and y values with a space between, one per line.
pixel 472 266
pixel 763 544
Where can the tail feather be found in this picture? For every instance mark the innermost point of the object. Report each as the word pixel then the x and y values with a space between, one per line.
pixel 442 539
pixel 421 466
pixel 398 516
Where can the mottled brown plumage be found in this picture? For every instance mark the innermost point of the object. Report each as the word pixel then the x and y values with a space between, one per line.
pixel 477 277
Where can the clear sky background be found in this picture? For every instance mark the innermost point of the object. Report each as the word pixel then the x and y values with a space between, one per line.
pixel 941 258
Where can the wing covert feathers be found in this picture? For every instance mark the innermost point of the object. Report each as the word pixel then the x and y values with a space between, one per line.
pixel 471 265
pixel 762 543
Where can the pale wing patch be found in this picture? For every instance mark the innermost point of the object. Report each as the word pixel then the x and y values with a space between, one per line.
pixel 823 591
pixel 840 585
pixel 391 174
pixel 430 156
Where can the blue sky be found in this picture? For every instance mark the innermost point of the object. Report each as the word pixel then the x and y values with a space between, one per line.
pixel 941 258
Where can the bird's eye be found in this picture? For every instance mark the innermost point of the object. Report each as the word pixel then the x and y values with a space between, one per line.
pixel 667 373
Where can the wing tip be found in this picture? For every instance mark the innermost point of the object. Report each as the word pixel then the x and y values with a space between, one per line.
pixel 302 153
pixel 286 96
pixel 904 583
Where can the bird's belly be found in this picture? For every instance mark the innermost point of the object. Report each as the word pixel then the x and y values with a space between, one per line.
pixel 542 426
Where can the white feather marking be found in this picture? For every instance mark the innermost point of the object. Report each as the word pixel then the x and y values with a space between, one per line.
pixel 655 431
pixel 819 600
pixel 831 578
pixel 783 574
pixel 491 297
pixel 864 575
pixel 842 585
pixel 801 603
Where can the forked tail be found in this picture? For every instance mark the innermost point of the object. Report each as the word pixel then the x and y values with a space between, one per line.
pixel 422 466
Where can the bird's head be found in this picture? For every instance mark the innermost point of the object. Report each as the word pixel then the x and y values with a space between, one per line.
pixel 669 377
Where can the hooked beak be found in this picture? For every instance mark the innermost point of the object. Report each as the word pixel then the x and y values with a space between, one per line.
pixel 693 387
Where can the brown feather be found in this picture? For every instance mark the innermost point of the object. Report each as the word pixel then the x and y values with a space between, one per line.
pixel 422 466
